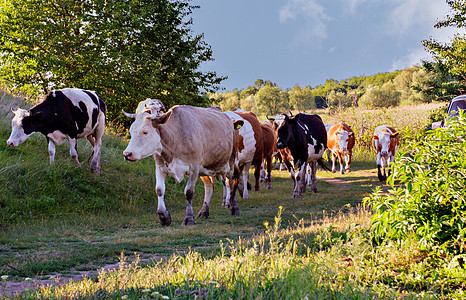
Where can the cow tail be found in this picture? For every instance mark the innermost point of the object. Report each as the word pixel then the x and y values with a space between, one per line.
pixel 323 165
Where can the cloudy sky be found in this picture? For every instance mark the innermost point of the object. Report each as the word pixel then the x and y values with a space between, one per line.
pixel 306 42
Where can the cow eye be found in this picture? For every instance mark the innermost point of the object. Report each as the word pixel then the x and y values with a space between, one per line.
pixel 144 132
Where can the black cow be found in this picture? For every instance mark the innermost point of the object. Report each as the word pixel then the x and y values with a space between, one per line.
pixel 64 114
pixel 306 138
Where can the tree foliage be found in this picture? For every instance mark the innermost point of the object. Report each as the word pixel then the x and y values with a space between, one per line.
pixel 125 50
pixel 449 59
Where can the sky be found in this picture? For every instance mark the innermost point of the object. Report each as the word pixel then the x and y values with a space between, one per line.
pixel 306 42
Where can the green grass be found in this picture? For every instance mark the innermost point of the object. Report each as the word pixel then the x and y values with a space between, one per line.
pixel 62 220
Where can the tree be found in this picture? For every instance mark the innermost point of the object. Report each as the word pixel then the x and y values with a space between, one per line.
pixel 449 59
pixel 125 50
pixel 301 99
pixel 376 97
pixel 270 100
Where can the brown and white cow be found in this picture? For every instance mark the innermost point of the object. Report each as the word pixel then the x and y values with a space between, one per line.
pixel 385 141
pixel 269 140
pixel 340 141
pixel 250 149
pixel 186 140
pixel 67 114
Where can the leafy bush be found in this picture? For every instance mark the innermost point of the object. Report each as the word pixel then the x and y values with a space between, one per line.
pixel 429 205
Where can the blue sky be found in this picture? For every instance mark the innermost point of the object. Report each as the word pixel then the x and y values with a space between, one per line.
pixel 305 42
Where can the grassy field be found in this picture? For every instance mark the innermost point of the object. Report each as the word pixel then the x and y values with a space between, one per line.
pixel 62 221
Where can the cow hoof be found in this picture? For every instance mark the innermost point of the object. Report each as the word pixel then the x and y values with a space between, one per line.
pixel 249 186
pixel 314 190
pixel 188 222
pixel 334 171
pixel 96 171
pixel 269 186
pixel 256 189
pixel 164 218
pixel 296 195
pixel 234 211
pixel 203 214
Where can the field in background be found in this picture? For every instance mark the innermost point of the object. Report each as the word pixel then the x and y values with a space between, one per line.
pixel 64 221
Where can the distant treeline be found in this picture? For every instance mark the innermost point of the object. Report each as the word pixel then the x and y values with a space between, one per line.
pixel 381 90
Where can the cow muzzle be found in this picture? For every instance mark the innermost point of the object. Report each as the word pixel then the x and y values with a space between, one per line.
pixel 129 156
pixel 10 143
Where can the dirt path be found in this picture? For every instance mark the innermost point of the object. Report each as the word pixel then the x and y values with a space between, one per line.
pixel 16 287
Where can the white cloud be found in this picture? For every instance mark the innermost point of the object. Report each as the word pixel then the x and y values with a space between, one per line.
pixel 414 57
pixel 312 16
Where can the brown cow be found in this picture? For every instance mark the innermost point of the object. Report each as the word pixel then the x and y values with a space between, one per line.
pixel 385 141
pixel 250 149
pixel 340 141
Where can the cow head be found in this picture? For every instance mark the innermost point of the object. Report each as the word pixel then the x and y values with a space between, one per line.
pixel 152 105
pixel 284 131
pixel 21 126
pixel 145 138
pixel 342 138
pixel 384 139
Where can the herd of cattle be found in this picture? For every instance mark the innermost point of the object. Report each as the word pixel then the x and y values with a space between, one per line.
pixel 202 142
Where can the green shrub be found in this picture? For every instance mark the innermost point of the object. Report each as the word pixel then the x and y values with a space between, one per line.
pixel 429 204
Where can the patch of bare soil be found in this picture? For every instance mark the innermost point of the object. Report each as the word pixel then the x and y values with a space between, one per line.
pixel 14 287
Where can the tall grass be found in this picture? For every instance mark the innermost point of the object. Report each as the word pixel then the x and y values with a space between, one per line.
pixel 330 260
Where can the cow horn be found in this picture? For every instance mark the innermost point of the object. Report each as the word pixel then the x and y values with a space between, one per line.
pixel 291 114
pixel 128 115
pixel 269 118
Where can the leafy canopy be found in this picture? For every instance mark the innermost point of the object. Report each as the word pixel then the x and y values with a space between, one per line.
pixel 449 59
pixel 125 50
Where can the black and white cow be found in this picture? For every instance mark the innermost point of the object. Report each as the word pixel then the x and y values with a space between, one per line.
pixel 306 138
pixel 64 114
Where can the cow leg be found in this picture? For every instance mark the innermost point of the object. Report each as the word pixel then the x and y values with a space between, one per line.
pixel 379 167
pixel 73 150
pixel 334 158
pixel 189 193
pixel 340 160
pixel 257 175
pixel 268 176
pixel 297 178
pixel 348 161
pixel 51 151
pixel 263 174
pixel 303 178
pixel 164 214
pixel 208 191
pixel 97 147
pixel 226 192
pixel 244 181
pixel 313 176
pixel 308 175
pixel 232 182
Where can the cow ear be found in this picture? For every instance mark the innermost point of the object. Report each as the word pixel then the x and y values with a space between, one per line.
pixel 375 137
pixel 238 124
pixel 161 119
pixel 394 135
pixel 128 115
pixel 351 134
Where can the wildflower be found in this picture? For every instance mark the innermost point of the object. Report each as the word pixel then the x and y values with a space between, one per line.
pixel 266 224
pixel 165 297
pixel 124 297
pixel 146 291
pixel 154 294
pixel 213 282
pixel 28 279
pixel 5 277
